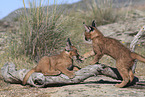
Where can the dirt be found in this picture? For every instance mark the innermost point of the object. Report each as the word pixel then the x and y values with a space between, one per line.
pixel 99 86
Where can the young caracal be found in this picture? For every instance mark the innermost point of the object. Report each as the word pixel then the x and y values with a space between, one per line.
pixel 54 65
pixel 112 47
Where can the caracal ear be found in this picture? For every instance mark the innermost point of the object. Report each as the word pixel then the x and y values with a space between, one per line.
pixel 87 29
pixel 68 45
pixel 91 29
pixel 93 24
pixel 69 42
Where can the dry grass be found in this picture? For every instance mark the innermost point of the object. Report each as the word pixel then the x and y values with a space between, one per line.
pixel 41 32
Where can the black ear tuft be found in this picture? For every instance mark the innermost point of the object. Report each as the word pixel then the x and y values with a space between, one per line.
pixel 67 50
pixel 91 29
pixel 93 24
pixel 68 45
pixel 86 27
pixel 69 42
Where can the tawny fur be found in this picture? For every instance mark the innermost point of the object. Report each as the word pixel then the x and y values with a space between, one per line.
pixel 54 65
pixel 112 47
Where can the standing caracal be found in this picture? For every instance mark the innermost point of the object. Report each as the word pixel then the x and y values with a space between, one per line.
pixel 112 47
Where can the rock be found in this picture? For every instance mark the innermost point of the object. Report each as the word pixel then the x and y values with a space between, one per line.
pixel 123 30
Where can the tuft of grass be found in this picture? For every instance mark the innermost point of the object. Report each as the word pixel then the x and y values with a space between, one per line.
pixel 101 10
pixel 41 31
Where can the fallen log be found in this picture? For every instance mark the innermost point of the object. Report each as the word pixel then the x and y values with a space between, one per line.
pixel 11 75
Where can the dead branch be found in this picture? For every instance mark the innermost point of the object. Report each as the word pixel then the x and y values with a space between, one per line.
pixel 133 44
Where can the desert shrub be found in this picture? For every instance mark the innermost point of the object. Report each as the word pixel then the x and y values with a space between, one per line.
pixel 41 31
pixel 102 11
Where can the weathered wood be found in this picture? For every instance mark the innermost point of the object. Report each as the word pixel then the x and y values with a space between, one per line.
pixel 136 38
pixel 133 44
pixel 11 75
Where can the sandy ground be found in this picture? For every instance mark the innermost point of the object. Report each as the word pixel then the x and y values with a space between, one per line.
pixel 99 86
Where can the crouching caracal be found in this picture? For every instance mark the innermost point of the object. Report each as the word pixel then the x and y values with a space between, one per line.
pixel 54 65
